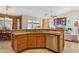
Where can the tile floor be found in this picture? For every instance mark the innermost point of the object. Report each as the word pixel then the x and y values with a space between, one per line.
pixel 70 47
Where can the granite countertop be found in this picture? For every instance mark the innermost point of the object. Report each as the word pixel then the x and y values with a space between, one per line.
pixel 49 32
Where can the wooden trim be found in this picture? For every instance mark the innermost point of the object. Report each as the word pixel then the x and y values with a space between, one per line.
pixel 20 22
pixel 58 43
pixel 10 16
pixel 15 22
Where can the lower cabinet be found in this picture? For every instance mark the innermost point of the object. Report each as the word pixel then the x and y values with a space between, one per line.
pixel 25 41
pixel 19 43
pixel 41 41
pixel 21 47
pixel 31 41
pixel 22 42
pixel 36 41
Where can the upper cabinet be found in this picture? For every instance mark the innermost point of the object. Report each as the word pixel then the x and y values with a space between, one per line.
pixel 45 23
pixel 17 23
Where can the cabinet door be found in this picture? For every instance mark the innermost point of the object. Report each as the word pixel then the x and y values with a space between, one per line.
pixel 31 41
pixel 41 41
pixel 14 26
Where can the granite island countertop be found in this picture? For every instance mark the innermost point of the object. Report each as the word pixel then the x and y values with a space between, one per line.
pixel 39 32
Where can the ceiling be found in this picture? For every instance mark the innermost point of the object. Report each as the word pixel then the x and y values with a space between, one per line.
pixel 37 11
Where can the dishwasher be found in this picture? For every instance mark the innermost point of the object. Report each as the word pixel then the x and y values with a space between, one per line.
pixel 52 42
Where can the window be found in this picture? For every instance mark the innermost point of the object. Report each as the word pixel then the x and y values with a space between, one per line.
pixel 33 24
pixel 1 24
pixel 7 23
pixel 18 24
pixel 30 26
pixel 36 25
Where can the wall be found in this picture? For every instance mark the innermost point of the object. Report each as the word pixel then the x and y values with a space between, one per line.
pixel 25 19
pixel 71 17
pixel 57 10
pixel 24 22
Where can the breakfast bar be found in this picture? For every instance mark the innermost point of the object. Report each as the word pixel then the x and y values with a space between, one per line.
pixel 51 39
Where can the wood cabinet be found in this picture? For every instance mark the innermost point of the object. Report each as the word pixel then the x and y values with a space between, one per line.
pixel 19 43
pixel 36 41
pixel 22 42
pixel 52 41
pixel 31 41
pixel 45 23
pixel 17 23
pixel 41 40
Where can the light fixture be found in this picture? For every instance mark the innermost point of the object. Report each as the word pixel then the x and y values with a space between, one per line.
pixel 6 16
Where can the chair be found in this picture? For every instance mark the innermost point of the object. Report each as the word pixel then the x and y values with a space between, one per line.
pixel 6 35
pixel 0 34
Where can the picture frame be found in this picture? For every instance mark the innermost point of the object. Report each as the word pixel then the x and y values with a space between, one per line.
pixel 61 20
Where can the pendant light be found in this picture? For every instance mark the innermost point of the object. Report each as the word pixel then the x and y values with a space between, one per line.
pixel 5 16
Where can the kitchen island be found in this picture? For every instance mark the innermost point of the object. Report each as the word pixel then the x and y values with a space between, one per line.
pixel 51 39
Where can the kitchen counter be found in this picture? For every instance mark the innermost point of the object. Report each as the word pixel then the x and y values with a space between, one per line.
pixel 50 39
pixel 36 32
